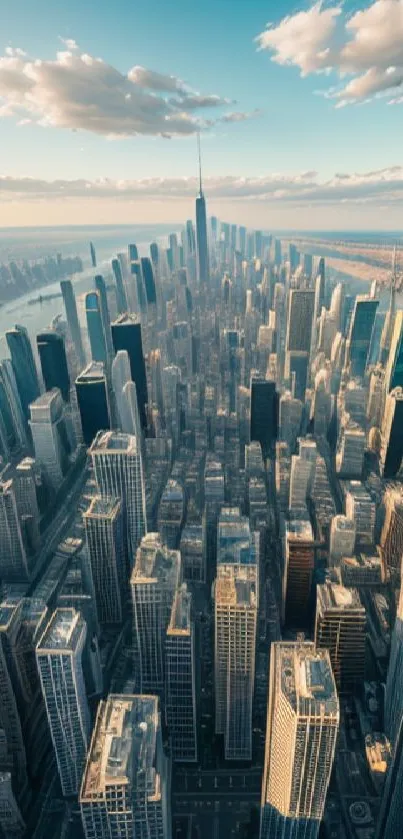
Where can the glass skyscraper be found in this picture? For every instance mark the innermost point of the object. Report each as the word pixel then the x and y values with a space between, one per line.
pixel 24 366
pixel 52 355
pixel 126 335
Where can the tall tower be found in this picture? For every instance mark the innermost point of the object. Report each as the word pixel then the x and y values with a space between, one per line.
pixel 389 322
pixel 235 606
pixel 394 366
pixel 52 355
pixel 116 459
pixel 301 734
pixel 13 421
pixel 391 434
pixel 96 327
pixel 120 287
pixel 360 334
pixel 93 400
pixel 125 787
pixel 13 557
pixel 203 269
pixel 104 530
pixel 24 366
pixel 49 434
pixel 180 663
pixel 394 683
pixel 340 628
pixel 72 320
pixel 126 335
pixel 58 654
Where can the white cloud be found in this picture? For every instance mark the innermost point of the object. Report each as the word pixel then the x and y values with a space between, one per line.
pixel 80 92
pixel 241 116
pixel 69 43
pixel 366 47
pixel 306 189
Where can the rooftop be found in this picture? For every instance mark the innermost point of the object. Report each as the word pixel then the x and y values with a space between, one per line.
pixel 236 585
pixel 299 530
pixel 123 747
pixel 332 596
pixel 93 372
pixel 180 622
pixel 154 561
pixel 115 442
pixel 62 632
pixel 304 676
pixel 101 507
pixel 126 319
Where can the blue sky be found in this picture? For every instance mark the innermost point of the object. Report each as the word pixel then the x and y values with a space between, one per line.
pixel 211 47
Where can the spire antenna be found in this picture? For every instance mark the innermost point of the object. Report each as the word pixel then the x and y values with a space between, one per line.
pixel 200 167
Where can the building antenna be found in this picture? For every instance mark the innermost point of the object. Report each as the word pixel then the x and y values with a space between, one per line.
pixel 200 167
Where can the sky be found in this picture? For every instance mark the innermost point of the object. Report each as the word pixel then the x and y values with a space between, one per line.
pixel 299 108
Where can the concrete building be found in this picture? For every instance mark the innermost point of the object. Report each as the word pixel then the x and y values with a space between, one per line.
pixel 302 727
pixel 342 539
pixel 351 449
pixel 125 789
pixel 192 554
pixel 171 513
pixel 235 618
pixel 360 508
pixel 299 562
pixel 14 565
pixel 181 689
pixel 103 522
pixel 49 435
pixel 59 659
pixel 290 419
pixel 340 627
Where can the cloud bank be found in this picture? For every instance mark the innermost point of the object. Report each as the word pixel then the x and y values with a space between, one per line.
pixel 82 93
pixel 381 187
pixel 365 49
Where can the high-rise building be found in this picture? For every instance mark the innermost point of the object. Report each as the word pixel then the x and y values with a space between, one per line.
pixel 96 327
pixel 149 281
pixel 181 693
pixel 100 287
pixel 392 434
pixel 126 781
pixel 263 413
pixel 342 539
pixel 350 449
pixel 340 628
pixel 52 355
pixel 394 683
pixel 11 820
pixel 394 365
pixel 171 512
pixel 192 554
pixel 24 482
pixel 302 727
pixel 93 255
pixel 10 722
pixel 120 287
pixel 235 542
pixel 24 367
pixel 120 376
pixel 59 658
pixel 13 421
pixel 360 508
pixel 93 400
pixel 49 435
pixel 290 419
pixel 104 530
pixel 391 540
pixel 300 320
pixel 126 335
pixel 116 458
pixel 301 476
pixel 13 556
pixel 360 334
pixel 235 609
pixel 72 320
pixel 299 562
pixel 154 582
pixel 203 268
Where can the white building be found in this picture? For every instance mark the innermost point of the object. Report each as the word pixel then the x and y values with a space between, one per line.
pixel 49 435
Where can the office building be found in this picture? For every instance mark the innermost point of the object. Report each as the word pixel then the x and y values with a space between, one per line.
pixel 392 434
pixel 125 789
pixel 254 465
pixel 235 621
pixel 192 554
pixel 391 540
pixel 96 327
pixel 105 538
pixel 171 513
pixel 290 418
pixel 24 367
pixel 342 539
pixel 24 484
pixel 49 435
pixel 301 477
pixel 59 659
pixel 299 563
pixel 296 372
pixel 340 628
pixel 350 450
pixel 116 459
pixel 100 287
pixel 360 508
pixel 126 335
pixel 52 355
pixel 181 689
pixel 301 735
pixel 73 323
pixel 93 400
pixel 120 287
pixel 149 282
pixel 394 686
pixel 263 413
pixel 203 267
pixel 394 364
pixel 235 542
pixel 389 823
pixel 300 320
pixel 14 565
pixel 11 821
pixel 154 582
pixel 12 744
pixel 13 429
pixel 360 334
pixel 120 376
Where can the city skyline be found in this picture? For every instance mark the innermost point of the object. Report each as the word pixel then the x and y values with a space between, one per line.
pixel 297 117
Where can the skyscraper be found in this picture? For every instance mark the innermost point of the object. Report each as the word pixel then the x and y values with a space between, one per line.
pixel 299 562
pixel 203 269
pixel 126 335
pixel 120 376
pixel 181 692
pixel 10 723
pixel 59 658
pixel 154 582
pixel 392 434
pixel 125 787
pixel 93 400
pixel 96 327
pixel 100 287
pixel 263 413
pixel 49 435
pixel 13 557
pixel 149 281
pixel 24 366
pixel 11 413
pixel 104 530
pixel 300 320
pixel 120 287
pixel 394 365
pixel 235 611
pixel 342 539
pixel 52 355
pixel 360 334
pixel 72 320
pixel 301 734
pixel 394 683
pixel 389 824
pixel 340 628
pixel 116 459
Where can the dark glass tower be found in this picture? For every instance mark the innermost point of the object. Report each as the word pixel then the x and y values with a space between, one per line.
pixel 154 253
pixel 93 401
pixel 72 319
pixel 93 256
pixel 263 413
pixel 24 366
pixel 101 289
pixel 120 288
pixel 52 355
pixel 203 269
pixel 360 334
pixel 95 326
pixel 126 335
pixel 149 280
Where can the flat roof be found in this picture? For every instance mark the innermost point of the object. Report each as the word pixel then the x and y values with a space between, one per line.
pixel 102 507
pixel 114 442
pixel 332 596
pixel 62 632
